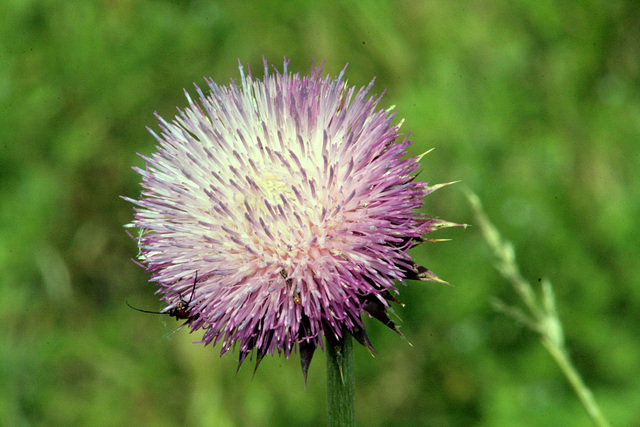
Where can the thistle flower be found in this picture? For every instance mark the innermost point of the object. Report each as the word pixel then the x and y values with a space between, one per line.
pixel 292 203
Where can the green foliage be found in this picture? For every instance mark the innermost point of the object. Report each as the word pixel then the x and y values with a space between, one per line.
pixel 533 105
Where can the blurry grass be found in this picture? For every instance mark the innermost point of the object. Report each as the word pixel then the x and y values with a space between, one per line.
pixel 540 315
pixel 535 105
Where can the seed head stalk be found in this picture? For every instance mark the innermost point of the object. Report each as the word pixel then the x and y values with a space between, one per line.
pixel 540 315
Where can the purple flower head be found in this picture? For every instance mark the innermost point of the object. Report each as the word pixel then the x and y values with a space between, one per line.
pixel 279 210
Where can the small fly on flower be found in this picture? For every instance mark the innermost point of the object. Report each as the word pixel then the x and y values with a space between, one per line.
pixel 296 294
pixel 181 311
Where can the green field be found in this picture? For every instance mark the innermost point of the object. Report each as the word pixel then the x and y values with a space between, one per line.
pixel 533 105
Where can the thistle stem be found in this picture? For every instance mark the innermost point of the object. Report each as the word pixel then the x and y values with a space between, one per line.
pixel 341 383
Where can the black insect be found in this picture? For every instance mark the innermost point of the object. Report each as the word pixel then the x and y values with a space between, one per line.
pixel 181 311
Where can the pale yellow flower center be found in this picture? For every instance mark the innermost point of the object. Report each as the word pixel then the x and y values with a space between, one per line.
pixel 273 187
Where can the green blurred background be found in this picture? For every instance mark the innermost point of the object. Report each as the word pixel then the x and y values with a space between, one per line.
pixel 535 105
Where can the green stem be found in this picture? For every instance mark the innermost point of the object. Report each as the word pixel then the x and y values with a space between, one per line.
pixel 583 392
pixel 544 316
pixel 341 383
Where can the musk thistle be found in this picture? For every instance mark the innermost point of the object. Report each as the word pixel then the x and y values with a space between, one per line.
pixel 278 211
